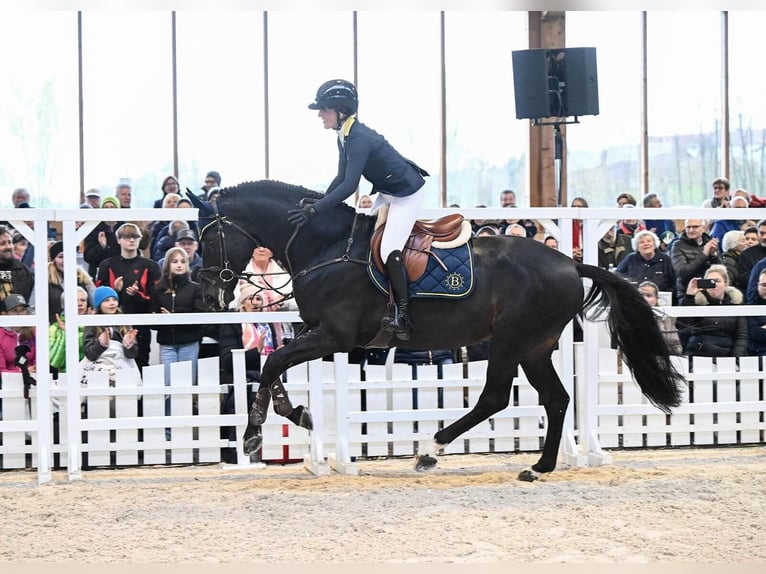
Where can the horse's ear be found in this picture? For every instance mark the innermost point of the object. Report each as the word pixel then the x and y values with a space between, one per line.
pixel 204 207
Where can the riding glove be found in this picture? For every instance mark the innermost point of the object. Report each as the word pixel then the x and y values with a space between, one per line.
pixel 302 215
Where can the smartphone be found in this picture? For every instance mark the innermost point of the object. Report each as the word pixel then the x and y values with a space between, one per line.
pixel 705 284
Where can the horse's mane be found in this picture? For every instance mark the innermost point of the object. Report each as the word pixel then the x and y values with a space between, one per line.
pixel 280 187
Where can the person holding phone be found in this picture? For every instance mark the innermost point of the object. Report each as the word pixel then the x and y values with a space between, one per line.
pixel 713 336
pixel 692 254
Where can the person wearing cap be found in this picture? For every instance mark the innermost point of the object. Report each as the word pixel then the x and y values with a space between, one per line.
pixel 186 239
pixel 133 277
pixel 101 243
pixel 108 348
pixel 396 180
pixel 15 277
pixel 12 338
pixel 168 237
pixel 212 179
pixel 56 280
pixel 93 198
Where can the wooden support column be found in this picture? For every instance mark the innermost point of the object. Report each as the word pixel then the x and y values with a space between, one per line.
pixel 546 30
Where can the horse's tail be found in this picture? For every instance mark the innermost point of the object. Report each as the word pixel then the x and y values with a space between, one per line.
pixel 633 322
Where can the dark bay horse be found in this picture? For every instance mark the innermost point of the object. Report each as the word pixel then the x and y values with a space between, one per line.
pixel 524 295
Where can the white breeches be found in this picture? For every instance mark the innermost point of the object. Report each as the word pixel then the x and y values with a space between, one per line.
pixel 402 213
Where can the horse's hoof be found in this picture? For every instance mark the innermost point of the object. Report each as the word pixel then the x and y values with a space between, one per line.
pixel 528 475
pixel 305 421
pixel 424 462
pixel 252 444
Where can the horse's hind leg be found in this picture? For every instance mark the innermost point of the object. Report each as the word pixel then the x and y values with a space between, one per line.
pixel 494 398
pixel 555 400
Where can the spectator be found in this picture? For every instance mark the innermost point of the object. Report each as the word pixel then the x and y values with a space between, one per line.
pixel 626 199
pixel 733 245
pixel 692 253
pixel 175 292
pixel 756 325
pixel 551 242
pixel 56 281
pixel 508 199
pixel 613 248
pixel 108 348
pixel 187 241
pixel 57 333
pixel 722 226
pixel 169 185
pixel 124 193
pixel 101 243
pixel 751 236
pixel 490 230
pixel 15 277
pixel 93 198
pixel 750 256
pixel 666 323
pixel 12 339
pixel 516 230
pixel 275 287
pixel 168 238
pixel 720 197
pixel 212 179
pixel 647 262
pixel 629 226
pixel 160 228
pixel 133 277
pixel 365 202
pixel 658 226
pixel 20 197
pixel 577 230
pixel 713 336
pixel 20 244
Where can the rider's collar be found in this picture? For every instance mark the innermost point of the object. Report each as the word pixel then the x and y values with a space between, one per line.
pixel 345 128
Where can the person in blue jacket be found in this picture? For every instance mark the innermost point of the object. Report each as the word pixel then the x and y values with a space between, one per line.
pixel 396 180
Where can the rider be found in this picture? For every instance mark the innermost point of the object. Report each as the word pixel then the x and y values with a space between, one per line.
pixel 396 180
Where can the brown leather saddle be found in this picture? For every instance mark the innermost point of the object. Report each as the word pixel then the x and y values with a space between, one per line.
pixel 418 247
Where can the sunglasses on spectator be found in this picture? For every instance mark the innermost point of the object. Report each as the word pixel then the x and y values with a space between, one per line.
pixel 130 236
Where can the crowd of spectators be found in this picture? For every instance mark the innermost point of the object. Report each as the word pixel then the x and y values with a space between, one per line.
pixel 151 267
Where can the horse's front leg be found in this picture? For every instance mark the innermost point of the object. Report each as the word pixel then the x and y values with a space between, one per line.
pixel 312 344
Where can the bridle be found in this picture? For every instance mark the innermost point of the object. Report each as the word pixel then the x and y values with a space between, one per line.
pixel 226 274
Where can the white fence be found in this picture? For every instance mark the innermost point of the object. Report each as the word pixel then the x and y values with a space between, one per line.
pixel 386 414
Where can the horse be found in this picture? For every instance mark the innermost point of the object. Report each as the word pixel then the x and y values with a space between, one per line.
pixel 524 294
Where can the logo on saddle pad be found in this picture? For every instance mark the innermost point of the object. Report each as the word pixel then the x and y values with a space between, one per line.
pixel 454 281
pixel 448 274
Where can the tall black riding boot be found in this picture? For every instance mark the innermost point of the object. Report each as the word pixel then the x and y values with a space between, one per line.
pixel 397 321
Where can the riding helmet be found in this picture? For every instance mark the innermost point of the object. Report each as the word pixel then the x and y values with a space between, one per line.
pixel 337 95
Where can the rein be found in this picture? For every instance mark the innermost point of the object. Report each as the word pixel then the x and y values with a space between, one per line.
pixel 346 257
pixel 227 274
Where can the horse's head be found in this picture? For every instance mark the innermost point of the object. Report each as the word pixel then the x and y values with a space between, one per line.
pixel 226 247
pixel 259 210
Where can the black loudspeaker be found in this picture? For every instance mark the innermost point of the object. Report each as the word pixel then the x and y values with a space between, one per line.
pixel 555 83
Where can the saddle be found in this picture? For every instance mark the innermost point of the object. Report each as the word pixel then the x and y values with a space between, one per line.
pixel 446 232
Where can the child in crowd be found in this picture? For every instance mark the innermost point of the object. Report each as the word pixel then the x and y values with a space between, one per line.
pixel 108 348
pixel 175 292
pixel 57 333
